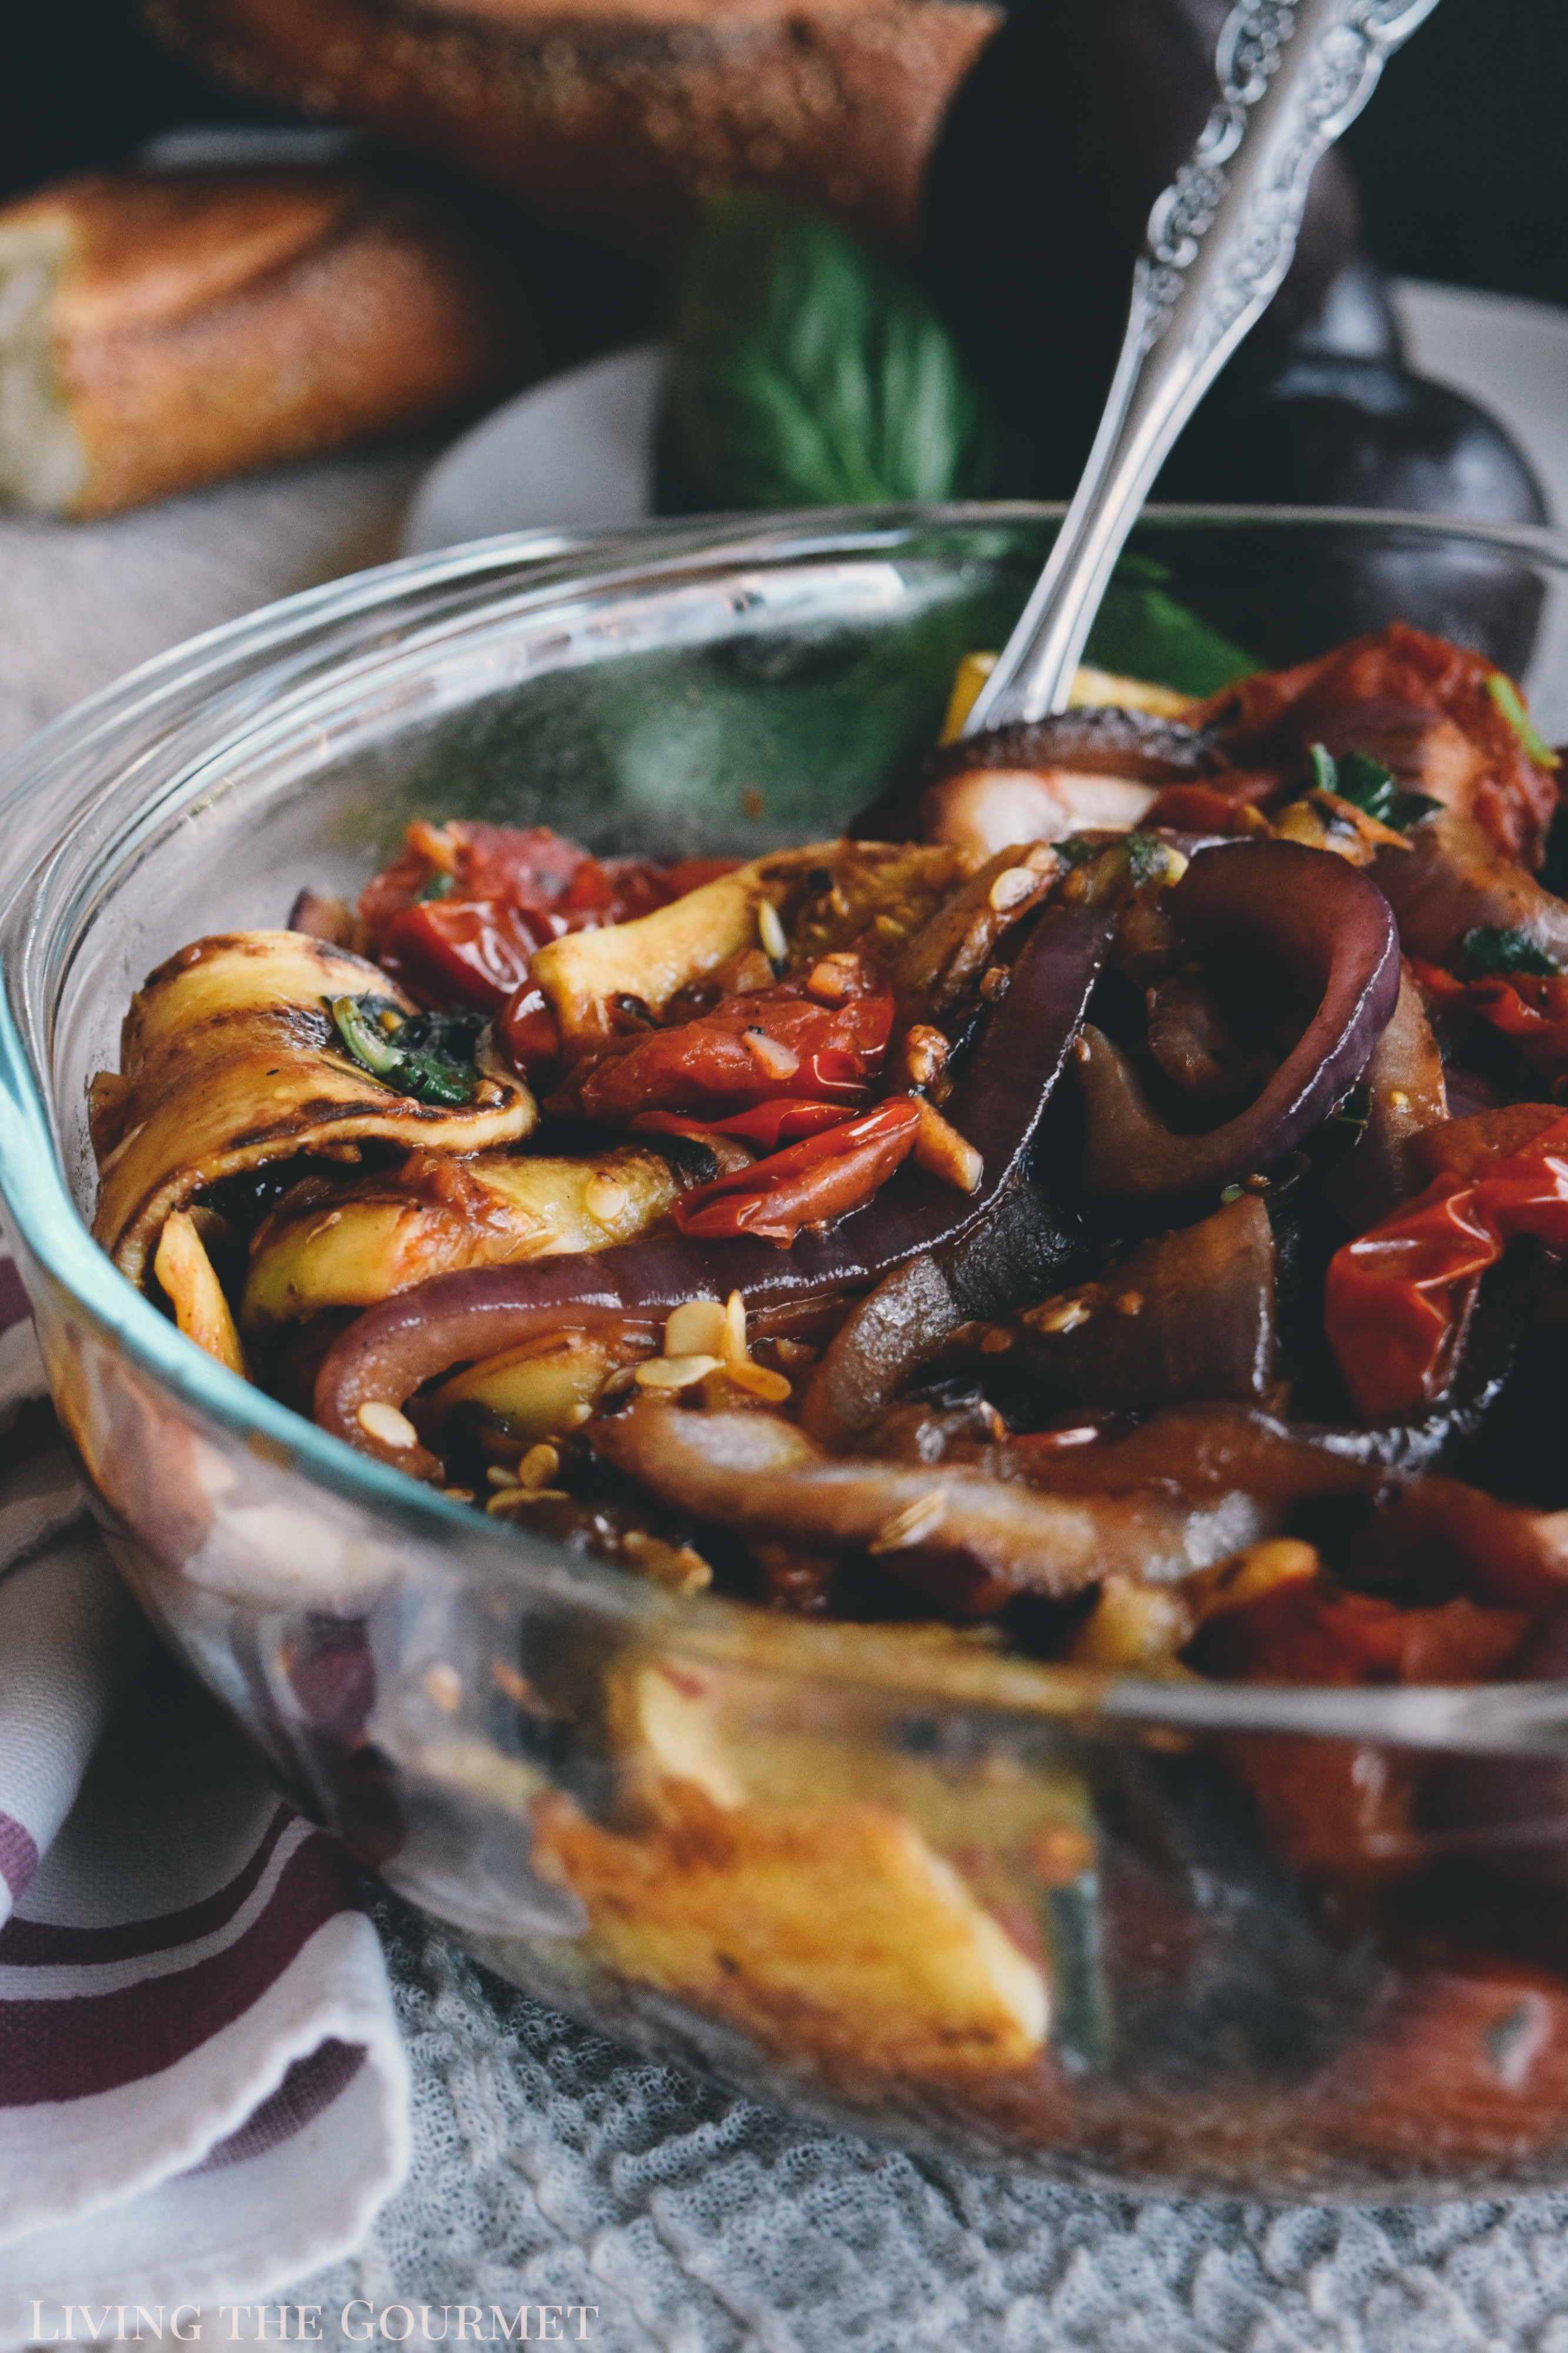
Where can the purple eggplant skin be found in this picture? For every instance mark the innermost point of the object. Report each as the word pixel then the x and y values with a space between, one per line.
pixel 1027 1247
pixel 997 1105
pixel 1277 908
pixel 1325 428
pixel 1075 117
pixel 1305 428
pixel 1188 1315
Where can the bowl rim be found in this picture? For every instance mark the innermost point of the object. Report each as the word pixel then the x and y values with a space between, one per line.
pixel 56 1243
pixel 673 539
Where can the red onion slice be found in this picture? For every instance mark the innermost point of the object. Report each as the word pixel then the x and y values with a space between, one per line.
pixel 996 1105
pixel 1288 908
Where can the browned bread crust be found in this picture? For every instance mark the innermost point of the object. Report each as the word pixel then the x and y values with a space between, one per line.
pixel 189 325
pixel 616 118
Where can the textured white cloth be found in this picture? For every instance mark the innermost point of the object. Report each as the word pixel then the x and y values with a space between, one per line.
pixel 67 1604
pixel 202 2084
pixel 79 603
pixel 548 2168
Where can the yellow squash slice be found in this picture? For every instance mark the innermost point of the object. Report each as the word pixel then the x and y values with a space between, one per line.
pixel 653 955
pixel 230 1060
pixel 190 1282
pixel 829 1930
pixel 384 1233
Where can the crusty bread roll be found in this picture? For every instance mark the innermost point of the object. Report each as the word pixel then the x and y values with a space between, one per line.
pixel 161 330
pixel 616 118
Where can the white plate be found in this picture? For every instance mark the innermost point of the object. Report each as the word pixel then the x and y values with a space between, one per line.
pixel 574 452
pixel 578 451
pixel 1509 354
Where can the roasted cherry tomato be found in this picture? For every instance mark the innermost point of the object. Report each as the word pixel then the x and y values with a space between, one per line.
pixel 811 1183
pixel 459 912
pixel 1306 1631
pixel 1350 697
pixel 768 1125
pixel 1529 1009
pixel 474 950
pixel 1225 803
pixel 1396 1298
pixel 508 864
pixel 530 1034
pixel 784 1042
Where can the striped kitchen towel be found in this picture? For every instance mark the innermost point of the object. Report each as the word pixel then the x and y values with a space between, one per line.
pixel 202 2093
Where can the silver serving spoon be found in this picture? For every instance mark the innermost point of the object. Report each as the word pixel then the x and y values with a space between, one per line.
pixel 1292 75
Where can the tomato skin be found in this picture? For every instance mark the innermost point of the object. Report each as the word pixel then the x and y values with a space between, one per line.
pixel 475 951
pixel 1458 1642
pixel 619 889
pixel 1275 711
pixel 1396 1298
pixel 707 1069
pixel 1531 1009
pixel 530 1034
pixel 817 1179
pixel 1225 803
pixel 1306 1631
pixel 768 1125
pixel 507 864
pixel 463 908
pixel 1300 1632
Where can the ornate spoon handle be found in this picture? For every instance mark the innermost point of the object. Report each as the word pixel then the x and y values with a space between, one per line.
pixel 1292 75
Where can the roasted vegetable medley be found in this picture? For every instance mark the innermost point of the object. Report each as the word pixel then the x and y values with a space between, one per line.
pixel 1109 1210
pixel 1116 1195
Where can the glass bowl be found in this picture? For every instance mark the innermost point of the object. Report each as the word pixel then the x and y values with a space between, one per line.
pixel 881 1876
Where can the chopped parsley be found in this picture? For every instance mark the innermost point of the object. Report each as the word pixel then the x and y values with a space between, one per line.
pixel 439 886
pixel 1369 786
pixel 1342 1130
pixel 1490 949
pixel 427 1055
pixel 1505 696
pixel 1147 859
pixel 1325 769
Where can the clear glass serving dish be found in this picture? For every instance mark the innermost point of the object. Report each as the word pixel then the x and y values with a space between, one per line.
pixel 883 1877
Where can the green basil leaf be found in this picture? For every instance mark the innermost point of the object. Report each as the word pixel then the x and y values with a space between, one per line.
pixel 429 1056
pixel 1368 785
pixel 439 886
pixel 1147 858
pixel 1325 769
pixel 1140 631
pixel 438 1051
pixel 1505 694
pixel 807 371
pixel 1490 949
pixel 358 1024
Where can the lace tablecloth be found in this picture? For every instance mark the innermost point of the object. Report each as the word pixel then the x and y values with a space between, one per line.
pixel 549 2169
